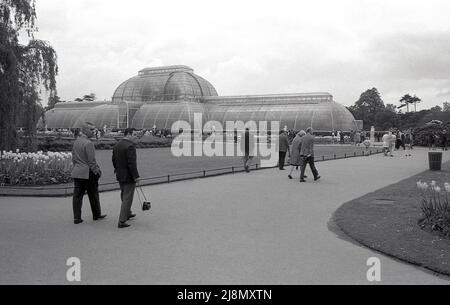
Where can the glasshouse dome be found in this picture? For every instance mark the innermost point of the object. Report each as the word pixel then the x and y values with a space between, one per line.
pixel 164 84
pixel 161 97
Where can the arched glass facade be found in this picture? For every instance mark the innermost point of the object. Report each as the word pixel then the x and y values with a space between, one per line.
pixel 66 115
pixel 103 115
pixel 159 97
pixel 294 111
pixel 165 115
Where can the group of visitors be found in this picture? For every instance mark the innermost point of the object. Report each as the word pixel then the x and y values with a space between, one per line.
pixel 397 139
pixel 301 153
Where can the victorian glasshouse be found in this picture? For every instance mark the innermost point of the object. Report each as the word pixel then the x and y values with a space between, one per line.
pixel 160 97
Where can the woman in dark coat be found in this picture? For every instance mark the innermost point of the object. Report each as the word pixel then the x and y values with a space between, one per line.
pixel 296 160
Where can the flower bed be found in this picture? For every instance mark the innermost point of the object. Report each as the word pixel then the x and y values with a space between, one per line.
pixel 35 168
pixel 435 207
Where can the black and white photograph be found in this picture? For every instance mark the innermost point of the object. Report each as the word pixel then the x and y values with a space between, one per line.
pixel 224 147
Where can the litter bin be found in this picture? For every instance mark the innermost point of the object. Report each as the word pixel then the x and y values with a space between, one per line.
pixel 435 159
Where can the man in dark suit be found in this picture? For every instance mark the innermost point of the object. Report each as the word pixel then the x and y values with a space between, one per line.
pixel 284 148
pixel 124 162
pixel 307 153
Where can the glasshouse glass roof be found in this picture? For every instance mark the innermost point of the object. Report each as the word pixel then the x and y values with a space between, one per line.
pixel 160 97
pixel 164 84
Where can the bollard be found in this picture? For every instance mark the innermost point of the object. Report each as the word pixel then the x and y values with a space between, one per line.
pixel 168 179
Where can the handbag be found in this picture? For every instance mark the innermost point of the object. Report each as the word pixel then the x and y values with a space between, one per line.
pixel 146 204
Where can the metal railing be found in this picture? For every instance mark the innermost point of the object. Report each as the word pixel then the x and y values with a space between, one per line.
pixel 67 189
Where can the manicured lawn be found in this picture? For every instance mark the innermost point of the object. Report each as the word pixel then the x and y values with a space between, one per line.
pixel 387 221
pixel 159 162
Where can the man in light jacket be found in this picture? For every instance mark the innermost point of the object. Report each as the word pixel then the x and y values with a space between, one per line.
pixel 85 174
pixel 307 153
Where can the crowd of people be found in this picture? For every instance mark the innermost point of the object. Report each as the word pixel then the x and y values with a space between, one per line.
pixel 396 140
pixel 299 149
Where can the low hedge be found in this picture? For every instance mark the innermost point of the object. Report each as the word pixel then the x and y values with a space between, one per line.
pixel 66 144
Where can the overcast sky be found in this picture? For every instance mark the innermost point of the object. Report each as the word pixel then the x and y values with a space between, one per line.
pixel 256 47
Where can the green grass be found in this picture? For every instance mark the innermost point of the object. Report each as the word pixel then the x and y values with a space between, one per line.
pixel 387 221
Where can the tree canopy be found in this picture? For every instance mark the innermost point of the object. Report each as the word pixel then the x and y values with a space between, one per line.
pixel 24 70
pixel 370 108
pixel 367 107
pixel 407 100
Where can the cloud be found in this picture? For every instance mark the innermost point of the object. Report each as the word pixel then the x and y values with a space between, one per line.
pixel 255 47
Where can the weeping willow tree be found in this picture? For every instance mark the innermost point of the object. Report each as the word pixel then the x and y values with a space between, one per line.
pixel 25 70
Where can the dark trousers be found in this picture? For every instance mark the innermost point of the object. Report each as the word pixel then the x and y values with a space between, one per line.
pixel 282 159
pixel 80 187
pixel 126 195
pixel 310 161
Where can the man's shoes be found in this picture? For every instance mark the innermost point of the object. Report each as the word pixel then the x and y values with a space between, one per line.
pixel 123 225
pixel 302 180
pixel 78 221
pixel 290 177
pixel 99 217
pixel 282 169
pixel 317 178
pixel 131 216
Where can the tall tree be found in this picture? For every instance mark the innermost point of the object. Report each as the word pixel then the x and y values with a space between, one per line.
pixel 366 108
pixel 407 100
pixel 24 69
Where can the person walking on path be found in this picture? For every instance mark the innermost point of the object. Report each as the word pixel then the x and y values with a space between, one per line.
pixel 247 147
pixel 386 139
pixel 295 159
pixel 444 140
pixel 392 141
pixel 408 144
pixel 307 153
pixel 124 160
pixel 284 149
pixel 85 174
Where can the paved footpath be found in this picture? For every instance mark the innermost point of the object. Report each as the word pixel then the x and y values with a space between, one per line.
pixel 257 228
